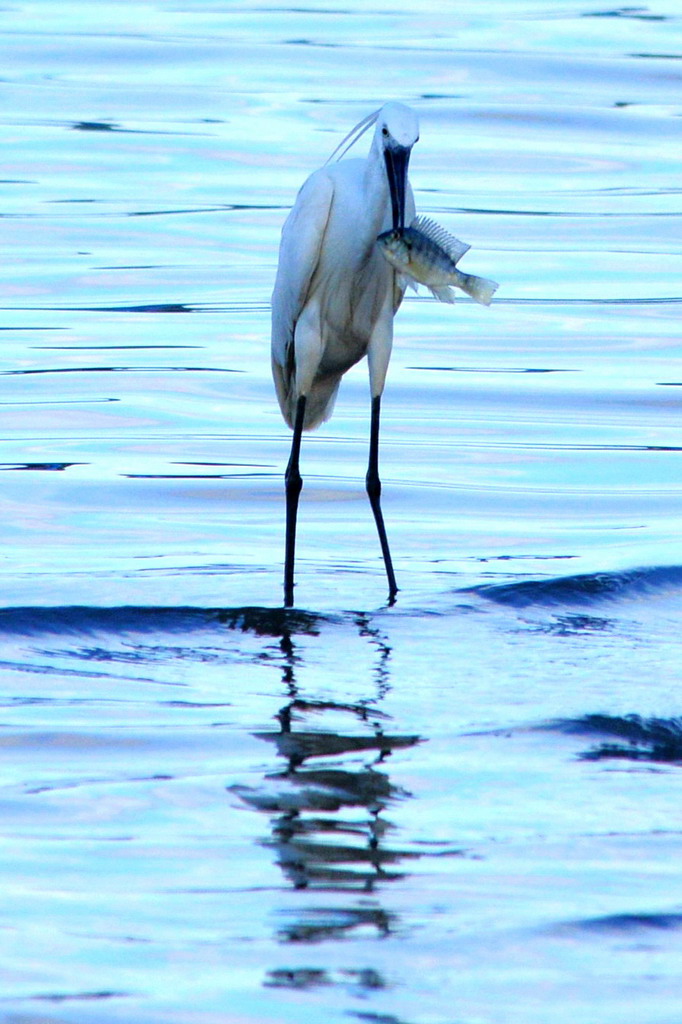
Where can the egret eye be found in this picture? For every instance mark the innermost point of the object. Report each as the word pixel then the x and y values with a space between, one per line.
pixel 384 130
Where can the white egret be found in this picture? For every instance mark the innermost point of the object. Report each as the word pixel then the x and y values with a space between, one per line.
pixel 335 297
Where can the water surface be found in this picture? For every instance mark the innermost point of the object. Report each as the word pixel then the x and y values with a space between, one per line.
pixel 463 809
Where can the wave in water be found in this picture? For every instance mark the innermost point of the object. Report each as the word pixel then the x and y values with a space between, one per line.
pixel 85 620
pixel 583 590
pixel 630 737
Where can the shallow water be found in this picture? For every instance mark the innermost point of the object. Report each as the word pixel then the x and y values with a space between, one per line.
pixel 458 810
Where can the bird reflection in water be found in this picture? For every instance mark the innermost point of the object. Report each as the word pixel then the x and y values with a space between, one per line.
pixel 327 823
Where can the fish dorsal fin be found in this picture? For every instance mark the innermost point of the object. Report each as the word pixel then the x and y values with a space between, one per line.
pixel 440 237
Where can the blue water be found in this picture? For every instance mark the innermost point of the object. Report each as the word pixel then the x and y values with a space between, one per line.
pixel 463 809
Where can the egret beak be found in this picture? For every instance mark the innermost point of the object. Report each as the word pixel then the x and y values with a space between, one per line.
pixel 397 158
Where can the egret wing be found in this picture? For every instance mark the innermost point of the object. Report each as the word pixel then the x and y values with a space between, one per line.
pixel 299 253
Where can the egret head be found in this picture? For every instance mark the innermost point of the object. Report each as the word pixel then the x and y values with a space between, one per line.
pixel 397 131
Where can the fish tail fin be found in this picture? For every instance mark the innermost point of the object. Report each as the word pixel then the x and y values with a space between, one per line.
pixel 481 289
pixel 444 293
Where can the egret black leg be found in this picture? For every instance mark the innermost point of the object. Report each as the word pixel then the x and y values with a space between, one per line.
pixel 293 486
pixel 374 494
